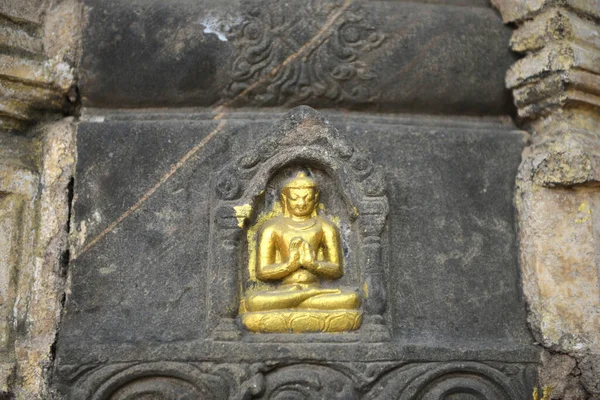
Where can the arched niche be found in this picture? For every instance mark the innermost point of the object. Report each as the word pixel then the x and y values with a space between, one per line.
pixel 302 139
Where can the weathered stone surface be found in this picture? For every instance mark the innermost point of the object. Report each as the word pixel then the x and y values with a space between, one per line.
pixel 551 25
pixel 38 279
pixel 380 55
pixel 556 90
pixel 561 65
pixel 554 57
pixel 18 188
pixel 62 31
pixel 36 58
pixel 6 374
pixel 519 10
pixel 590 373
pixel 559 377
pixel 11 209
pixel 556 86
pixel 23 11
pixel 571 88
pixel 16 36
pixel 142 226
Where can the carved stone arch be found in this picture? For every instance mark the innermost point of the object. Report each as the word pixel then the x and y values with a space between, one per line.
pixel 467 378
pixel 302 137
pixel 313 156
pixel 308 381
pixel 437 381
pixel 165 380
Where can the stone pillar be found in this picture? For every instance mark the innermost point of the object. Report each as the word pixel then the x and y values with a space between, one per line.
pixel 40 288
pixel 18 187
pixel 38 49
pixel 556 88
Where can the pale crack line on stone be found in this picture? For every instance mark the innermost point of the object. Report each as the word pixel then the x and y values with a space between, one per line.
pixel 315 41
pixel 318 38
pixel 174 168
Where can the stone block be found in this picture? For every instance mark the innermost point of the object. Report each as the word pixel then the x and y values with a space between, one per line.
pixel 380 55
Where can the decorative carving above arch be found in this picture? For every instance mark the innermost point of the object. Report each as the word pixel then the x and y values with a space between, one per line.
pixel 330 66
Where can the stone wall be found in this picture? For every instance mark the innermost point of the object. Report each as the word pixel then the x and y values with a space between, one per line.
pixel 555 86
pixel 38 52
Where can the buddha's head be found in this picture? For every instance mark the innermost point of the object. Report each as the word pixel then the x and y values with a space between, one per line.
pixel 300 196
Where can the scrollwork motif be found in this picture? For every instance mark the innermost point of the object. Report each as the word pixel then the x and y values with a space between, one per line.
pixel 323 59
pixel 303 380
pixel 443 381
pixel 228 185
pixel 308 382
pixel 158 380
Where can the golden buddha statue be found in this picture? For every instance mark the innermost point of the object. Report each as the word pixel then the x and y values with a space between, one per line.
pixel 299 248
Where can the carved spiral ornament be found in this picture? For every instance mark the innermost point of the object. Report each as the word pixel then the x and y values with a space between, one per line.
pixel 163 388
pixel 228 185
pixel 462 386
pixel 454 380
pixel 308 382
pixel 155 381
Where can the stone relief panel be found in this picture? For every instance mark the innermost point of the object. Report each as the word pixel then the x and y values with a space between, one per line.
pixel 167 218
pixel 303 142
pixel 288 380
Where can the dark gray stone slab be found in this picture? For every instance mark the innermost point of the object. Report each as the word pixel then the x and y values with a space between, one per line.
pixel 452 250
pixel 379 55
pixel 137 315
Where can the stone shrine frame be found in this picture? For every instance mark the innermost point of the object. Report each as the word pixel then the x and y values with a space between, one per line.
pixel 302 137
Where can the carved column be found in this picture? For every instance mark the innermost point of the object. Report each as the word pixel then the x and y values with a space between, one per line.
pixel 371 224
pixel 38 47
pixel 556 87
pixel 224 280
pixel 18 181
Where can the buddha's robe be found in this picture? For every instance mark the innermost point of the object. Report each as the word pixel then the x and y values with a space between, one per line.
pixel 299 288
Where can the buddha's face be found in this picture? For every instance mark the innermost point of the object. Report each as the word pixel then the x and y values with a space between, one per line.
pixel 300 201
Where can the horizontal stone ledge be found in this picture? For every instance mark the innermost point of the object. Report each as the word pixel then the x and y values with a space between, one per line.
pixel 15 37
pixel 41 73
pixel 101 115
pixel 242 351
pixel 18 110
pixel 552 25
pixel 555 57
pixel 568 98
pixel 377 56
pixel 36 96
pixel 557 84
pixel 9 124
pixel 30 11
